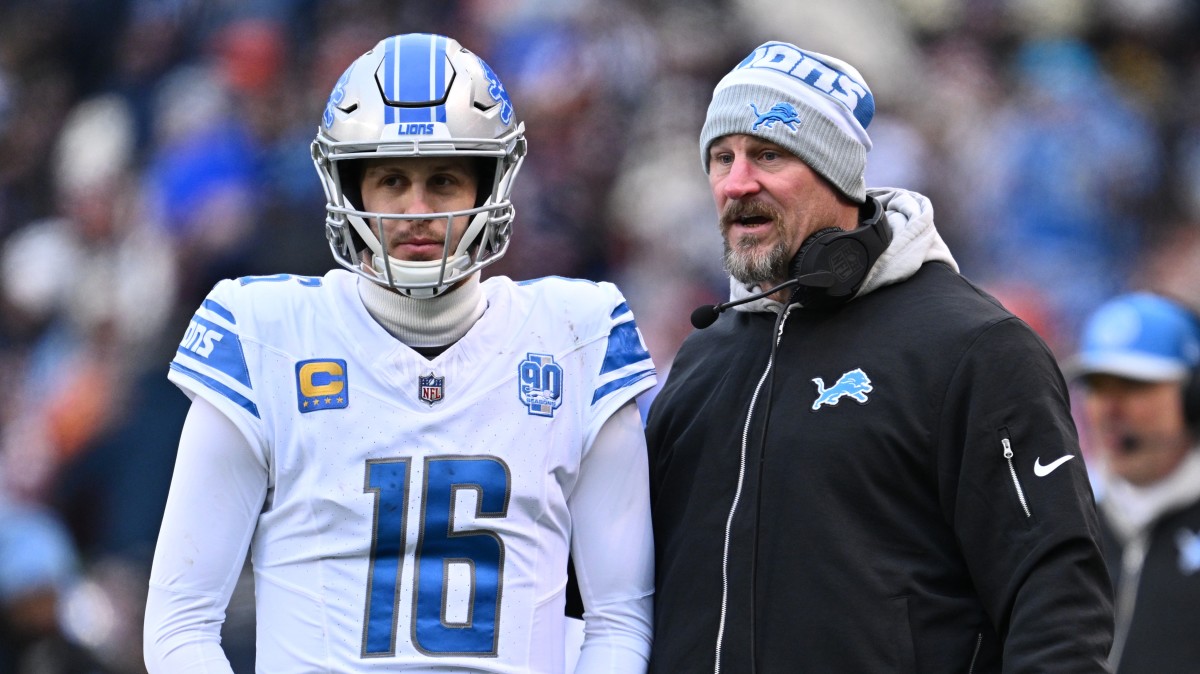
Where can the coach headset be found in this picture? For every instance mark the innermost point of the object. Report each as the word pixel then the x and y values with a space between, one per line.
pixel 829 268
pixel 1191 387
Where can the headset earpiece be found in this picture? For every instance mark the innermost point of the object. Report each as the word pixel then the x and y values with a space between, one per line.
pixel 832 263
pixel 1191 385
pixel 1191 401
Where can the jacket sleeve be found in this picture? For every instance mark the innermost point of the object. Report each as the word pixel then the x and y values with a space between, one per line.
pixel 1015 489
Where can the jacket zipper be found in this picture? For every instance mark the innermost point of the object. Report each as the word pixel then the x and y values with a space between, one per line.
pixel 1008 456
pixel 975 655
pixel 1133 558
pixel 737 495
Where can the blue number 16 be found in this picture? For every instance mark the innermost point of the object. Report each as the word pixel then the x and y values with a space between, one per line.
pixel 439 547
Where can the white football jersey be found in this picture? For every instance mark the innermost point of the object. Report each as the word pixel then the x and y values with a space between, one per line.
pixel 416 515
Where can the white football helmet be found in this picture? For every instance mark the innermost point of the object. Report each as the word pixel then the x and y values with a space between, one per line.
pixel 418 95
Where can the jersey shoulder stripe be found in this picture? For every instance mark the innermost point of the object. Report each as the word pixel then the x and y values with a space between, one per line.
pixel 213 351
pixel 212 383
pixel 626 359
pixel 592 322
pixel 599 311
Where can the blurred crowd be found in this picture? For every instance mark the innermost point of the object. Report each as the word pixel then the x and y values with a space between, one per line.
pixel 149 148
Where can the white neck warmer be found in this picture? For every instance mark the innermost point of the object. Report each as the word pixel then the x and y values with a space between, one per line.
pixel 437 321
pixel 1131 509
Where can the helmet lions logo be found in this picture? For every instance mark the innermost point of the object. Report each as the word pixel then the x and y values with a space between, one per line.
pixel 497 91
pixel 336 97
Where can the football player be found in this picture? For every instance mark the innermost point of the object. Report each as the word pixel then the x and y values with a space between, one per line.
pixel 409 453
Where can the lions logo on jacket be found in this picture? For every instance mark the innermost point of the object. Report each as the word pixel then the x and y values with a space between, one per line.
pixel 855 384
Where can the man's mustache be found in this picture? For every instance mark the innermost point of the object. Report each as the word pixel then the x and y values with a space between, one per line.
pixel 739 210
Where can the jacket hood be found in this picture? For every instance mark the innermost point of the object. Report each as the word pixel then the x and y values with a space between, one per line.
pixel 915 241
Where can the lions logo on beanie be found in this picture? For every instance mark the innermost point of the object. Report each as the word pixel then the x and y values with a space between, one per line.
pixel 815 106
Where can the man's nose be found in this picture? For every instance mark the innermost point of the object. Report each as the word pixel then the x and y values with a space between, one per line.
pixel 419 201
pixel 741 180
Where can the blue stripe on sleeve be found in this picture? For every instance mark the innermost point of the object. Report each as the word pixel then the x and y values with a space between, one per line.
pixel 217 347
pixel 624 347
pixel 239 399
pixel 621 383
pixel 220 311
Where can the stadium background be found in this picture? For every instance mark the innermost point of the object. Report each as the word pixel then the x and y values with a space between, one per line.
pixel 149 148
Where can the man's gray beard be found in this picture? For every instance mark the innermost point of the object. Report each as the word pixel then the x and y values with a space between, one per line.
pixel 756 270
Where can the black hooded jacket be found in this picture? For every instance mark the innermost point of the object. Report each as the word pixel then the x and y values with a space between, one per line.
pixel 899 494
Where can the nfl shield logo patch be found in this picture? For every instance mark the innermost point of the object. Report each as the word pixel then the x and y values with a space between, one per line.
pixel 431 388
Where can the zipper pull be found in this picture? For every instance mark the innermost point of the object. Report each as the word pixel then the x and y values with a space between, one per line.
pixel 783 319
pixel 1012 470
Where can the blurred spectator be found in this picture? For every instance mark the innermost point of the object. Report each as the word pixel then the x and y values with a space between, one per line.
pixel 1069 166
pixel 203 177
pixel 94 287
pixel 38 568
pixel 1139 362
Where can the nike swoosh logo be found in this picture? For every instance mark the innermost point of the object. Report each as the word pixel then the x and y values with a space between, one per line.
pixel 1043 471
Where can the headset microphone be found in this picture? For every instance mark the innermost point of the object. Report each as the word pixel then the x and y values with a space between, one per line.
pixel 706 315
pixel 1129 444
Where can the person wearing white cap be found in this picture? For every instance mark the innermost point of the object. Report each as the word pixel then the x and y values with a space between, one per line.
pixel 865 466
pixel 1139 364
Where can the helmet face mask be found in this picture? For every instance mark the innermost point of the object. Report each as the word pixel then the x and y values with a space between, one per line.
pixel 418 95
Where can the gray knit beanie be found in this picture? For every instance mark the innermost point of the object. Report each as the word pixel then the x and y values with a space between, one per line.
pixel 815 106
